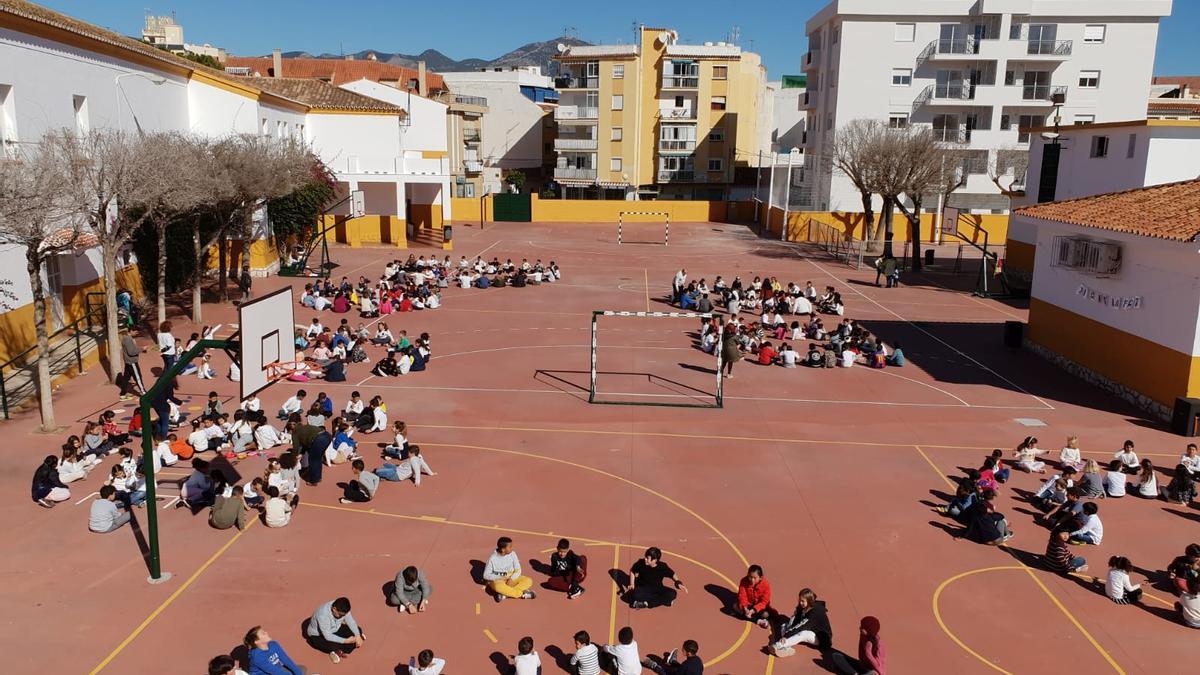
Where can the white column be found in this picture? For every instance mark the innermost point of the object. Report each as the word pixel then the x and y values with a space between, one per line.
pixel 447 209
pixel 401 196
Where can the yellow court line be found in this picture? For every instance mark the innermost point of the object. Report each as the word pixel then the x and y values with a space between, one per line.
pixel 1164 603
pixel 478 609
pixel 612 607
pixel 937 615
pixel 770 664
pixel 646 272
pixel 170 599
pixel 490 636
pixel 1053 598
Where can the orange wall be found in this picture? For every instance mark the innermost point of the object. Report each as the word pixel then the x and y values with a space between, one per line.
pixel 996 226
pixel 608 211
pixel 1019 255
pixel 1147 367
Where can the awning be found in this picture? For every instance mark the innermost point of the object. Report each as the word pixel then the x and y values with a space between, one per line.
pixel 574 182
pixel 612 184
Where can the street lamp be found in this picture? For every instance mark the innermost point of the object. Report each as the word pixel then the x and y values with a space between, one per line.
pixel 156 80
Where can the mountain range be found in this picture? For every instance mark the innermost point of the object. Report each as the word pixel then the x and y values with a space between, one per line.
pixel 532 54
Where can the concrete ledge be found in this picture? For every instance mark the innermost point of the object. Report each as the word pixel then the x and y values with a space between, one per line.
pixel 1096 379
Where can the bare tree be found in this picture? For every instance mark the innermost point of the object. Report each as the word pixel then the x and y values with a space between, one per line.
pixel 36 213
pixel 179 205
pixel 923 171
pixel 855 154
pixel 122 179
pixel 1008 171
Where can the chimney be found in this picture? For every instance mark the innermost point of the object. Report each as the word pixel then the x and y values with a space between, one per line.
pixel 421 78
pixel 277 58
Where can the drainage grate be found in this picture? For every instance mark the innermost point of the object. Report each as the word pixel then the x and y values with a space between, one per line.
pixel 1029 422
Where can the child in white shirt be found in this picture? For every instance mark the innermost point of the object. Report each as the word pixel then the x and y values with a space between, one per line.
pixel 426 664
pixel 527 661
pixel 205 371
pixel 1129 458
pixel 1070 455
pixel 1119 588
pixel 278 511
pixel 625 655
pixel 1115 480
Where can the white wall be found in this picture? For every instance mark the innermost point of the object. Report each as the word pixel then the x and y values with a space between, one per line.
pixel 426 126
pixel 789 118
pixel 46 75
pixel 512 126
pixel 1174 155
pixel 372 141
pixel 1166 274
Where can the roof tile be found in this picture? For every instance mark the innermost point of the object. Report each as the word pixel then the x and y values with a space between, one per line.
pixel 336 71
pixel 1170 211
pixel 318 94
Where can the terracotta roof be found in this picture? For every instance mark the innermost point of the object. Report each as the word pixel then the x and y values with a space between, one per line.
pixel 1183 105
pixel 336 71
pixel 62 237
pixel 1192 81
pixel 1170 211
pixel 322 95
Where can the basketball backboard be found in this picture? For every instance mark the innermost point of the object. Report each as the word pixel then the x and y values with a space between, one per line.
pixel 950 220
pixel 358 204
pixel 267 327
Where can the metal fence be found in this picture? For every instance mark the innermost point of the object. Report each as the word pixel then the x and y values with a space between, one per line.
pixel 68 345
pixel 834 243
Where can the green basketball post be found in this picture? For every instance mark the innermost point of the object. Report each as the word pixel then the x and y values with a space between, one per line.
pixel 157 576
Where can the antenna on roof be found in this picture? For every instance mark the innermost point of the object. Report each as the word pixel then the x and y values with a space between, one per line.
pixel 735 33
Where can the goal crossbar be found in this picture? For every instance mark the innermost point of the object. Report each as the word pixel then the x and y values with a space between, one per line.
pixel 596 314
pixel 663 214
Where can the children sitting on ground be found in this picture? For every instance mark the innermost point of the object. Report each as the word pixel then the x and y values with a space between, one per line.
pixel 586 659
pixel 411 467
pixel 567 570
pixel 411 591
pixel 1092 530
pixel 277 512
pixel 808 625
pixel 362 488
pixel 1059 557
pixel 1115 480
pixel 1129 458
pixel 48 489
pixel 1070 455
pixel 646 589
pixel 624 654
pixel 1119 587
pixel 106 516
pixel 502 573
pixel 526 661
pixel 425 663
pixel 1026 456
pixel 754 598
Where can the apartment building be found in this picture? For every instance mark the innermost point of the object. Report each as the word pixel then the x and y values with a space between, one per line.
pixel 655 119
pixel 520 100
pixel 977 72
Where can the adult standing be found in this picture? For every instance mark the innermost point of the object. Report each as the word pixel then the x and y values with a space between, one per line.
pixel 647 577
pixel 677 286
pixel 244 283
pixel 133 371
pixel 166 346
pixel 412 591
pixel 307 441
pixel 729 350
pixel 333 630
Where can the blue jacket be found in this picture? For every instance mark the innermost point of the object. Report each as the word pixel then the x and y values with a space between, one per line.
pixel 272 661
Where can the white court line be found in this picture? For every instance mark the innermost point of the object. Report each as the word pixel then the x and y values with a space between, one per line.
pixel 923 384
pixel 505 349
pixel 936 338
pixel 581 392
pixel 480 254
pixel 976 300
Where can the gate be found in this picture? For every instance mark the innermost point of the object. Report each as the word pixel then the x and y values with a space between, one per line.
pixel 513 208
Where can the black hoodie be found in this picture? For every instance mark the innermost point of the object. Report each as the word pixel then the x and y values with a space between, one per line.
pixel 816 619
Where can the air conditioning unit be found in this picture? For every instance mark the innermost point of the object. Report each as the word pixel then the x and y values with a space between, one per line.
pixel 1088 256
pixel 1107 259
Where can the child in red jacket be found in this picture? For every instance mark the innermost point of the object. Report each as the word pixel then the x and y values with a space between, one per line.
pixel 754 597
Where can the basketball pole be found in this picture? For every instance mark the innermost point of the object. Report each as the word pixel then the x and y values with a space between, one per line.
pixel 157 576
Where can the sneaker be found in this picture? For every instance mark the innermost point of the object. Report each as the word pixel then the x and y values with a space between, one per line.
pixel 1082 569
pixel 528 595
pixel 335 657
pixel 575 593
pixel 783 652
pixel 639 604
pixel 762 623
pixel 46 503
pixel 499 598
pixel 343 500
pixel 126 397
pixel 673 657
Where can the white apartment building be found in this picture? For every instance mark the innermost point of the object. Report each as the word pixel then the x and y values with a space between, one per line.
pixel 515 125
pixel 976 72
pixel 790 115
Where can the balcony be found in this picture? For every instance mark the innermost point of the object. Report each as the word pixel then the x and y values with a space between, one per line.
pixel 952 134
pixel 676 146
pixel 471 136
pixel 576 113
pixel 809 100
pixel 677 113
pixel 681 82
pixel 1049 48
pixel 812 58
pixel 572 82
pixel 680 176
pixel 469 100
pixel 574 144
pixel 575 174
pixel 472 165
pixel 1044 93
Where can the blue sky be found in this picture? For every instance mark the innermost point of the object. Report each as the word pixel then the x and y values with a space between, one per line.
pixel 487 29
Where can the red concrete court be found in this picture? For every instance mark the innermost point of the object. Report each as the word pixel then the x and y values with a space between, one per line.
pixel 823 477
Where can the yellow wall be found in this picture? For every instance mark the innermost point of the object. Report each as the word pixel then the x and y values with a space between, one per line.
pixel 368 229
pixel 1019 256
pixel 263 255
pixel 1147 367
pixel 595 211
pixel 996 226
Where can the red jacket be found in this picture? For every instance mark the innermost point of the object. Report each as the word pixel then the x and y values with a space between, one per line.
pixel 756 596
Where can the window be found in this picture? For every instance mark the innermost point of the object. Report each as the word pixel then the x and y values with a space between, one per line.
pixel 715 164
pixel 618 71
pixel 617 133
pixel 1093 33
pixel 905 32
pixel 1005 122
pixel 1010 78
pixel 1089 79
pixel 8 127
pixel 720 72
pixel 1085 119
pixel 81 115
pixel 718 103
pixel 716 135
pixel 1099 146
pixel 1028 122
pixel 280 128
pixel 901 77
pixel 266 127
pixel 828 121
pixel 466 190
pixel 614 164
pixel 618 102
pixel 834 41
pixel 898 120
pixel 1131 149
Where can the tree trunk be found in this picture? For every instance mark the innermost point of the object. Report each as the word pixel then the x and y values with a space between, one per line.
pixel 112 330
pixel 914 231
pixel 33 265
pixel 247 240
pixel 223 268
pixel 868 217
pixel 198 273
pixel 161 292
pixel 884 232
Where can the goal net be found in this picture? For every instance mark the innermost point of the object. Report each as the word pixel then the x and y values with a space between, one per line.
pixel 654 359
pixel 643 227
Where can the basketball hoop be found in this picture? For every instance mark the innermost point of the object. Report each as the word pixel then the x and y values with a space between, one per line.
pixel 950 221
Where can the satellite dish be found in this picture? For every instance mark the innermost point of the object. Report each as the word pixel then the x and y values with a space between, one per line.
pixel 1051 135
pixel 561 48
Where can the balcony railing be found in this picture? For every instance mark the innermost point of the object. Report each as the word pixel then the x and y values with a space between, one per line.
pixel 681 82
pixel 677 113
pixel 576 112
pixel 954 90
pixel 472 165
pixel 470 100
pixel 1044 92
pixel 1049 47
pixel 575 144
pixel 812 57
pixel 572 82
pixel 952 46
pixel 572 172
pixel 952 134
pixel 471 136
pixel 676 145
pixel 680 176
